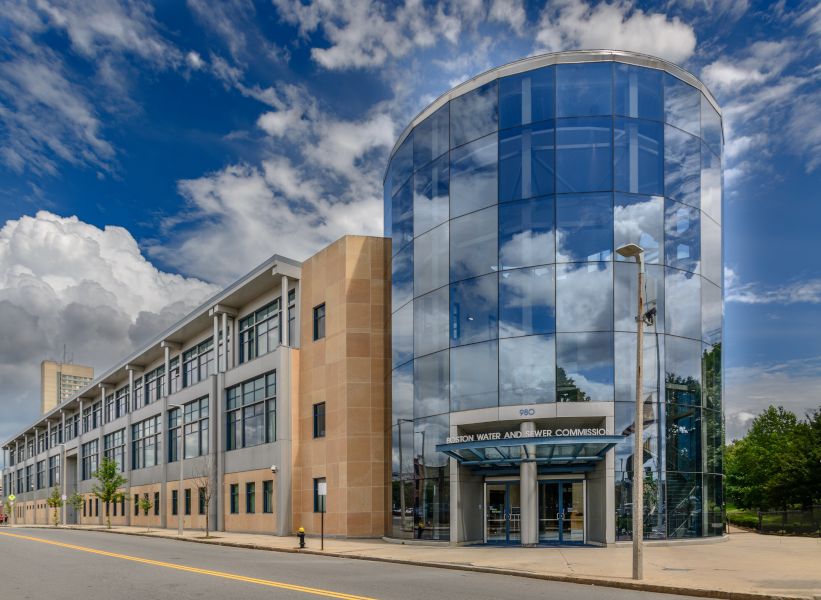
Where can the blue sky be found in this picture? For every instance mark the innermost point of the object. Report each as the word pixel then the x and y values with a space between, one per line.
pixel 152 152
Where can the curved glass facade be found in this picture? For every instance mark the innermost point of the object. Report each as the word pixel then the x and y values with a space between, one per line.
pixel 505 207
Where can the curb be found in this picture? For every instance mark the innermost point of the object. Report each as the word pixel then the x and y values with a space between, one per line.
pixel 581 580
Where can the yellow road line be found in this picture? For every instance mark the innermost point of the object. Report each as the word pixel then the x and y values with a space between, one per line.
pixel 231 576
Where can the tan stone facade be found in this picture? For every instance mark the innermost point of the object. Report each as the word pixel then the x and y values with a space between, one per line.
pixel 346 370
pixel 59 381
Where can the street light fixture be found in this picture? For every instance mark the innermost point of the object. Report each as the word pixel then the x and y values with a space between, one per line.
pixel 637 252
pixel 180 459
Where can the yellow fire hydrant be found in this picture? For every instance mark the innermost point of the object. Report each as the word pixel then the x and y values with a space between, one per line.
pixel 301 535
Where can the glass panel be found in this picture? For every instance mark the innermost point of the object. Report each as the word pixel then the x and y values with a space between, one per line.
pixel 526 302
pixel 584 293
pixel 710 126
pixel 474 314
pixel 432 377
pixel 682 306
pixel 584 155
pixel 584 89
pixel 682 105
pixel 430 260
pixel 473 170
pixel 711 250
pixel 403 438
pixel 474 373
pixel 526 233
pixel 430 195
pixel 684 518
pixel 402 217
pixel 639 220
pixel 548 512
pixel 496 515
pixel 682 164
pixel 527 370
pixel 402 278
pixel 638 92
pixel 527 98
pixel 473 244
pixel 682 371
pixel 682 245
pixel 430 322
pixel 402 163
pixel 473 115
pixel 573 512
pixel 514 527
pixel 711 312
pixel 584 367
pixel 431 138
pixel 626 295
pixel 639 157
pixel 584 227
pixel 652 374
pixel 710 183
pixel 526 161
pixel 402 333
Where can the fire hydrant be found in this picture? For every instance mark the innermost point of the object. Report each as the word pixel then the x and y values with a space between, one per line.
pixel 301 535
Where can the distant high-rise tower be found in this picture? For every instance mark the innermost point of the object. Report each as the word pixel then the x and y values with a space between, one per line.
pixel 59 381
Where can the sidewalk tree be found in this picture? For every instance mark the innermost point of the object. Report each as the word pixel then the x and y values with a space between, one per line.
pixel 145 505
pixel 109 484
pixel 76 501
pixel 55 503
pixel 202 481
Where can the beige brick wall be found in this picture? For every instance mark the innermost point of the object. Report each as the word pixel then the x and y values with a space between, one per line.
pixel 258 521
pixel 143 520
pixel 346 370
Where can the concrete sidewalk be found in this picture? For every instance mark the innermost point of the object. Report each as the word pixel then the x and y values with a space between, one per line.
pixel 746 566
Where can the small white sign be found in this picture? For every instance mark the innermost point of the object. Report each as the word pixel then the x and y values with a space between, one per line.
pixel 322 488
pixel 64 497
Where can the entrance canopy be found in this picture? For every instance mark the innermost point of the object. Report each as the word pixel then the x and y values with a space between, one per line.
pixel 568 454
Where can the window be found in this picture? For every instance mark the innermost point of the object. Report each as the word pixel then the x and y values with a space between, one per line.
pixel 682 105
pixel 109 408
pixel 638 92
pixel 430 262
pixel 234 498
pixel 473 176
pixel 84 508
pixel 638 156
pixel 474 372
pixel 526 161
pixel 259 332
pixel 402 209
pixel 250 498
pixel 41 474
pixel 198 363
pixel 584 155
pixel 431 137
pixel 114 448
pixel 402 332
pixel 474 244
pixel 139 398
pixel 137 505
pixel 89 459
pixel 430 321
pixel 527 98
pixel 319 500
pixel 96 507
pixel 201 500
pixel 319 420
pixel 527 371
pixel 122 505
pixel 584 367
pixel 682 245
pixel 474 310
pixel 145 444
pixel 268 496
pixel 154 383
pixel 580 288
pixel 431 186
pixel 187 501
pixel 474 114
pixel 526 233
pixel 86 419
pixel 319 322
pixel 251 412
pixel 121 402
pixel 97 415
pixel 53 471
pixel 584 89
pixel 584 227
pixel 292 318
pixel 174 372
pixel 432 374
pixel 527 301
pixel 402 277
pixel 156 504
pixel 56 434
pixel 174 502
pixel 196 429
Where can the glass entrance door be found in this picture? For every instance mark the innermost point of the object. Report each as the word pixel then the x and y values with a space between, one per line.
pixel 561 512
pixel 503 514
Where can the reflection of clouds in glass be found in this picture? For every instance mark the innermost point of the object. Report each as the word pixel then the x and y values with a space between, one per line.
pixel 682 165
pixel 432 376
pixel 431 138
pixel 402 393
pixel 402 276
pixel 625 296
pixel 653 363
pixel 682 359
pixel 584 227
pixel 638 157
pixel 474 373
pixel 682 247
pixel 711 250
pixel 682 303
pixel 584 293
pixel 430 322
pixel 639 221
pixel 473 115
pixel 526 302
pixel 473 244
pixel 402 334
pixel 430 260
pixel 427 433
pixel 584 367
pixel 711 312
pixel 711 184
pixel 431 196
pixel 473 172
pixel 527 370
pixel 682 105
pixel 710 126
pixel 526 248
pixel 474 306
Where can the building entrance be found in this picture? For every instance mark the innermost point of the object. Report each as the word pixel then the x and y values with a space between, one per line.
pixel 503 524
pixel 561 512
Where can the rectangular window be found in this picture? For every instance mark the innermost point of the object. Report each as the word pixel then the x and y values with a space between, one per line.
pixel 174 373
pixel 114 448
pixel 84 509
pixel 259 332
pixel 196 430
pixel 122 505
pixel 250 498
pixel 174 502
pixel 145 443
pixel 319 322
pixel 121 402
pixel 109 408
pixel 137 504
pixel 41 474
pixel 187 501
pixel 153 386
pixel 201 498
pixel 251 412
pixel 198 363
pixel 139 398
pixel 234 498
pixel 89 459
pixel 292 318
pixel 319 420
pixel 268 496
pixel 96 507
pixel 156 504
pixel 319 500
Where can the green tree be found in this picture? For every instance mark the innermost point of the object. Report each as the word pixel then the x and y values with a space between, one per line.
pixel 145 505
pixel 55 502
pixel 769 467
pixel 109 481
pixel 76 501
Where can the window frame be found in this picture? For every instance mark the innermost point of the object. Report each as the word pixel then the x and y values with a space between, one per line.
pixel 319 419
pixel 319 313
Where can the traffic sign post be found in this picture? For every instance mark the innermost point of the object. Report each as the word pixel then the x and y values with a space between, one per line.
pixel 322 492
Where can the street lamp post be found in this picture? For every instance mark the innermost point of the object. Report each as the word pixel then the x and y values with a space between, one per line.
pixel 636 251
pixel 180 458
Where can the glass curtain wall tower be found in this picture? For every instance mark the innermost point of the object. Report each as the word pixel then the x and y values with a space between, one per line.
pixel 505 200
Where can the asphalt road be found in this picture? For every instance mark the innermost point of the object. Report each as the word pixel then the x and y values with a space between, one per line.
pixel 40 564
